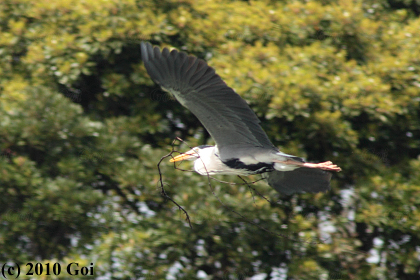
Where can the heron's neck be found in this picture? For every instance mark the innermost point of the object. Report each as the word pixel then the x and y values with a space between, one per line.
pixel 208 162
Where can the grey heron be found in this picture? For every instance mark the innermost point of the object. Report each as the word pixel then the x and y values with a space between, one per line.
pixel 242 147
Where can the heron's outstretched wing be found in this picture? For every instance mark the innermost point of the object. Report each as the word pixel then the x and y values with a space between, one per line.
pixel 225 115
pixel 299 180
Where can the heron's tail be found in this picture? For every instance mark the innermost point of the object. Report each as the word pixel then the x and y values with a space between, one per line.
pixel 299 180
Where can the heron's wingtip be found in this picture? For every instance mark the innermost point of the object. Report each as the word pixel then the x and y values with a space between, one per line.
pixel 300 180
pixel 144 46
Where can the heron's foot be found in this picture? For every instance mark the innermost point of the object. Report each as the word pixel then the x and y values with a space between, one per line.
pixel 327 165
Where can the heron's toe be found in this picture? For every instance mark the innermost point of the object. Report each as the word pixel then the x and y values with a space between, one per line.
pixel 329 166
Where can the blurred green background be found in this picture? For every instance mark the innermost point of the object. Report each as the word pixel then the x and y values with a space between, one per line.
pixel 82 128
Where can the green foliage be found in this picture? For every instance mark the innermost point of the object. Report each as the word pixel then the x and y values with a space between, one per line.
pixel 82 128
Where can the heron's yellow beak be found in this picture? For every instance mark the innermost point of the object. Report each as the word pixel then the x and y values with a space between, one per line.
pixel 180 157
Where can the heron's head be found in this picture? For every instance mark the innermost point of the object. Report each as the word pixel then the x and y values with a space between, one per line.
pixel 192 154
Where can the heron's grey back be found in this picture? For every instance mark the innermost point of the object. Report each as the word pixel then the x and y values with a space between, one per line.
pixel 226 116
pixel 300 180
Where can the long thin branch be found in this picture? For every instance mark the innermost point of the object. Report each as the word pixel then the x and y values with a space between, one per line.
pixel 162 189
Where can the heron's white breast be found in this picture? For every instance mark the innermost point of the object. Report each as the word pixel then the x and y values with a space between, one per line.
pixel 284 167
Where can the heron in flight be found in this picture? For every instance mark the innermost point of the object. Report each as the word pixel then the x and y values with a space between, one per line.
pixel 242 147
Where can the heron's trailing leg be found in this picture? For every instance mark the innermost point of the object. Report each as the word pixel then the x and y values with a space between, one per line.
pixel 327 165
